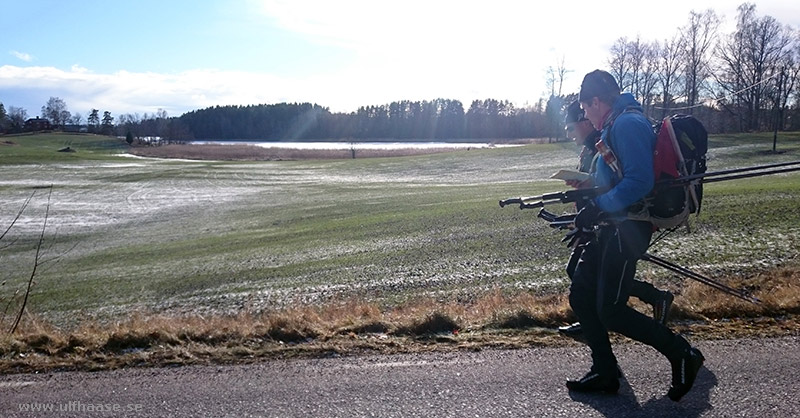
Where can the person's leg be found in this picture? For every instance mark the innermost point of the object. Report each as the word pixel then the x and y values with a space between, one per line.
pixel 645 292
pixel 617 269
pixel 628 241
pixel 573 330
pixel 583 300
pixel 572 263
pixel 660 300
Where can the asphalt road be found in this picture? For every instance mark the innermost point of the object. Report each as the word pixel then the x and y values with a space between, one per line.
pixel 748 378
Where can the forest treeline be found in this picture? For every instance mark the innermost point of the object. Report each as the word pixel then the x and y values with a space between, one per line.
pixel 440 119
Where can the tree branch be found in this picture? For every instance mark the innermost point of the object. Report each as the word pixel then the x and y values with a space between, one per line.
pixel 16 218
pixel 35 263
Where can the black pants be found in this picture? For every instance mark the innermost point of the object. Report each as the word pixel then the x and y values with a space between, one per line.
pixel 601 285
pixel 643 291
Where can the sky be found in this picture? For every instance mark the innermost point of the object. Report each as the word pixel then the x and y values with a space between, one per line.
pixel 139 56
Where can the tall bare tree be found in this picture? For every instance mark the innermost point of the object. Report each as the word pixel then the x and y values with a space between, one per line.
pixel 730 75
pixel 555 78
pixel 18 116
pixel 751 63
pixel 619 62
pixel 56 111
pixel 635 65
pixel 647 74
pixel 636 51
pixel 769 55
pixel 670 56
pixel 783 88
pixel 698 38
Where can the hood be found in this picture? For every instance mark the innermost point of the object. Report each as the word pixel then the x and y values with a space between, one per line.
pixel 624 102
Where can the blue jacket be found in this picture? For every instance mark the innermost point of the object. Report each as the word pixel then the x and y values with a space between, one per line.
pixel 630 136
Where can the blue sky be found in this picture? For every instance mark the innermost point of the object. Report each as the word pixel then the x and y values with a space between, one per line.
pixel 141 55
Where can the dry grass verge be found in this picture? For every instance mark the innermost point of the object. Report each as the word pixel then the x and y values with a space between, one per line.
pixel 352 327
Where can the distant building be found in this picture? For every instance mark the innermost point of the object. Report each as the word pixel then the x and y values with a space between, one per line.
pixel 37 124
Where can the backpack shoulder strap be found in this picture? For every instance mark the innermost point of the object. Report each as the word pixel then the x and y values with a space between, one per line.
pixel 610 147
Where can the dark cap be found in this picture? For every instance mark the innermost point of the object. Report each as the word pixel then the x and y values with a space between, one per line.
pixel 599 84
pixel 574 113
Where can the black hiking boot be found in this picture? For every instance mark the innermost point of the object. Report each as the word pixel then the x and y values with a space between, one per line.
pixel 573 331
pixel 662 306
pixel 684 372
pixel 594 382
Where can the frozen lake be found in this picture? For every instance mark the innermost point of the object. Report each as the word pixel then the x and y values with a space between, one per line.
pixel 360 145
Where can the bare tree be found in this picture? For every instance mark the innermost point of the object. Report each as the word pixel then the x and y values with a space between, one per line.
pixel 36 264
pixel 635 57
pixel 730 75
pixel 646 73
pixel 793 75
pixel 162 123
pixel 782 91
pixel 751 63
pixel 554 78
pixel 767 54
pixel 698 38
pixel 636 65
pixel 18 116
pixel 619 62
pixel 56 112
pixel 670 56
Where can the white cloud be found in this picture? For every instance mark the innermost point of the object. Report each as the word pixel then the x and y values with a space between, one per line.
pixel 138 92
pixel 131 92
pixel 22 56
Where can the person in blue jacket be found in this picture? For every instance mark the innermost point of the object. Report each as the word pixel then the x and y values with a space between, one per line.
pixel 604 275
pixel 585 136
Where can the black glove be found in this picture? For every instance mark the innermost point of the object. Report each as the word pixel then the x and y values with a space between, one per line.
pixel 561 222
pixel 577 237
pixel 572 237
pixel 587 217
pixel 565 224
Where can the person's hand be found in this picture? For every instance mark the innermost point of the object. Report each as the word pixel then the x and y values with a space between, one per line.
pixel 576 237
pixel 587 217
pixel 578 184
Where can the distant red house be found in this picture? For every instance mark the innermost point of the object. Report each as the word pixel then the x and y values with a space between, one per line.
pixel 37 124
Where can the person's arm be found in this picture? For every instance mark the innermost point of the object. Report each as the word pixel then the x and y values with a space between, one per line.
pixel 633 141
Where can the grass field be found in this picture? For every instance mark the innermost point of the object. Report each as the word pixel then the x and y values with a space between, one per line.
pixel 180 237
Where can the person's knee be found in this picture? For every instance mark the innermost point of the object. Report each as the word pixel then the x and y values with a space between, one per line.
pixel 578 299
pixel 611 315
